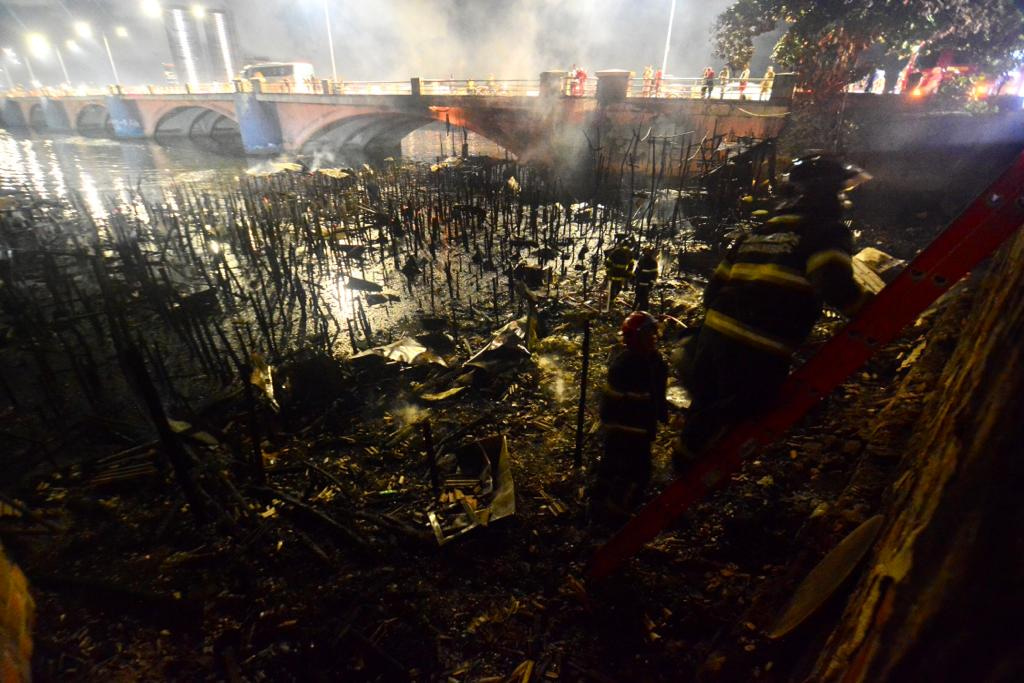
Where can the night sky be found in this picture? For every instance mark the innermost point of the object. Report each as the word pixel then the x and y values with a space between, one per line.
pixel 386 39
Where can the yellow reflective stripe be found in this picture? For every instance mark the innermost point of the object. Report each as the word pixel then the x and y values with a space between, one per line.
pixel 737 330
pixel 722 271
pixel 769 272
pixel 631 395
pixel 625 428
pixel 823 258
pixel 784 219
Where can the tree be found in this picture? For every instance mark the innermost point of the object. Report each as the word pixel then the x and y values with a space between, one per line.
pixel 824 38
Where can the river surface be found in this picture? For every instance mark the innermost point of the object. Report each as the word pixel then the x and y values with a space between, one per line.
pixel 53 166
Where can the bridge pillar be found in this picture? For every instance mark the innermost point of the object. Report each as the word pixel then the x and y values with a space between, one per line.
pixel 552 83
pixel 125 118
pixel 12 115
pixel 258 124
pixel 414 87
pixel 612 85
pixel 55 115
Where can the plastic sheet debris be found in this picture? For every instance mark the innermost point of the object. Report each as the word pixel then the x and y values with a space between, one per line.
pixel 407 350
pixel 450 162
pixel 677 397
pixel 271 167
pixel 508 346
pixel 884 265
pixel 442 395
pixel 334 173
pixel 479 490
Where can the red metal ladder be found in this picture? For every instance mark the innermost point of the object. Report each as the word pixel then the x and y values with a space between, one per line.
pixel 988 222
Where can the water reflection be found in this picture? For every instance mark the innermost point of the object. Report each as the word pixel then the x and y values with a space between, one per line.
pixel 55 166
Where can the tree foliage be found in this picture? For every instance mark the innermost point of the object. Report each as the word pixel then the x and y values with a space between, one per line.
pixel 824 38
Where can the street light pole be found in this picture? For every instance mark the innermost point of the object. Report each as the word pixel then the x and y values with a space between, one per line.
pixel 330 41
pixel 110 56
pixel 10 81
pixel 668 38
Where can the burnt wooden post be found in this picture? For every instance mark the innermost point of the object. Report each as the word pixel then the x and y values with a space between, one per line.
pixel 577 459
pixel 254 429
pixel 428 446
pixel 138 375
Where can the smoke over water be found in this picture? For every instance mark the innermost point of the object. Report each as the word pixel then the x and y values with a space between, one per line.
pixel 397 39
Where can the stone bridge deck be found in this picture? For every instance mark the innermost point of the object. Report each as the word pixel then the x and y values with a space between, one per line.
pixel 542 120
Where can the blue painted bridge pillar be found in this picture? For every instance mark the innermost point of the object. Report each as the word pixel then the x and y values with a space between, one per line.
pixel 125 118
pixel 258 124
pixel 11 116
pixel 55 115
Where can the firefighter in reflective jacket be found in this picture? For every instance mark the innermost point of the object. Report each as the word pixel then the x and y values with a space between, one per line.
pixel 646 274
pixel 618 265
pixel 632 404
pixel 765 297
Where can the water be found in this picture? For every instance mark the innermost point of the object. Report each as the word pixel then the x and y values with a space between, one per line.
pixel 52 166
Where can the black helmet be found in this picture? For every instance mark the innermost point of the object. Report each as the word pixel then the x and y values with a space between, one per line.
pixel 826 173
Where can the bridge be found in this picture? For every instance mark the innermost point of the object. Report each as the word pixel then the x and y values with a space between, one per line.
pixel 543 120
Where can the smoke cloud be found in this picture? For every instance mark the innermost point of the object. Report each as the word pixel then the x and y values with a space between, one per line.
pixel 390 39
pixel 397 39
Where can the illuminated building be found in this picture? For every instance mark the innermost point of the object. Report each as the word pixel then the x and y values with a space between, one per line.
pixel 202 43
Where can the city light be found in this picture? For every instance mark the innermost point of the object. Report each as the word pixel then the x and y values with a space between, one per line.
pixel 83 29
pixel 198 11
pixel 72 46
pixel 225 47
pixel 10 54
pixel 178 17
pixel 38 45
pixel 152 8
pixel 121 32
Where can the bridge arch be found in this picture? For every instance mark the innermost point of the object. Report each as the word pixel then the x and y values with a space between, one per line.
pixel 377 131
pixel 37 119
pixel 94 121
pixel 195 122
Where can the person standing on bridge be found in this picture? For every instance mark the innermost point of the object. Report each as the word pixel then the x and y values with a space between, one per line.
pixel 648 80
pixel 767 82
pixel 744 77
pixel 709 83
pixel 723 81
pixel 657 83
pixel 581 82
pixel 763 300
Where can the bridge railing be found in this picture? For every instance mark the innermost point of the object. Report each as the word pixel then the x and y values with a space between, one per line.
pixel 569 86
pixel 485 87
pixel 695 88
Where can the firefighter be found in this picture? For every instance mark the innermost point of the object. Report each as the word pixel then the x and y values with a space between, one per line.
pixel 646 274
pixel 632 404
pixel 618 265
pixel 723 79
pixel 765 297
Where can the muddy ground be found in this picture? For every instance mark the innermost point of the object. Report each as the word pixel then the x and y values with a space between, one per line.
pixel 329 571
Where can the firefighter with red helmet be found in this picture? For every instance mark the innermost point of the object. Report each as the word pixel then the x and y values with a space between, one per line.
pixel 632 404
pixel 764 298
